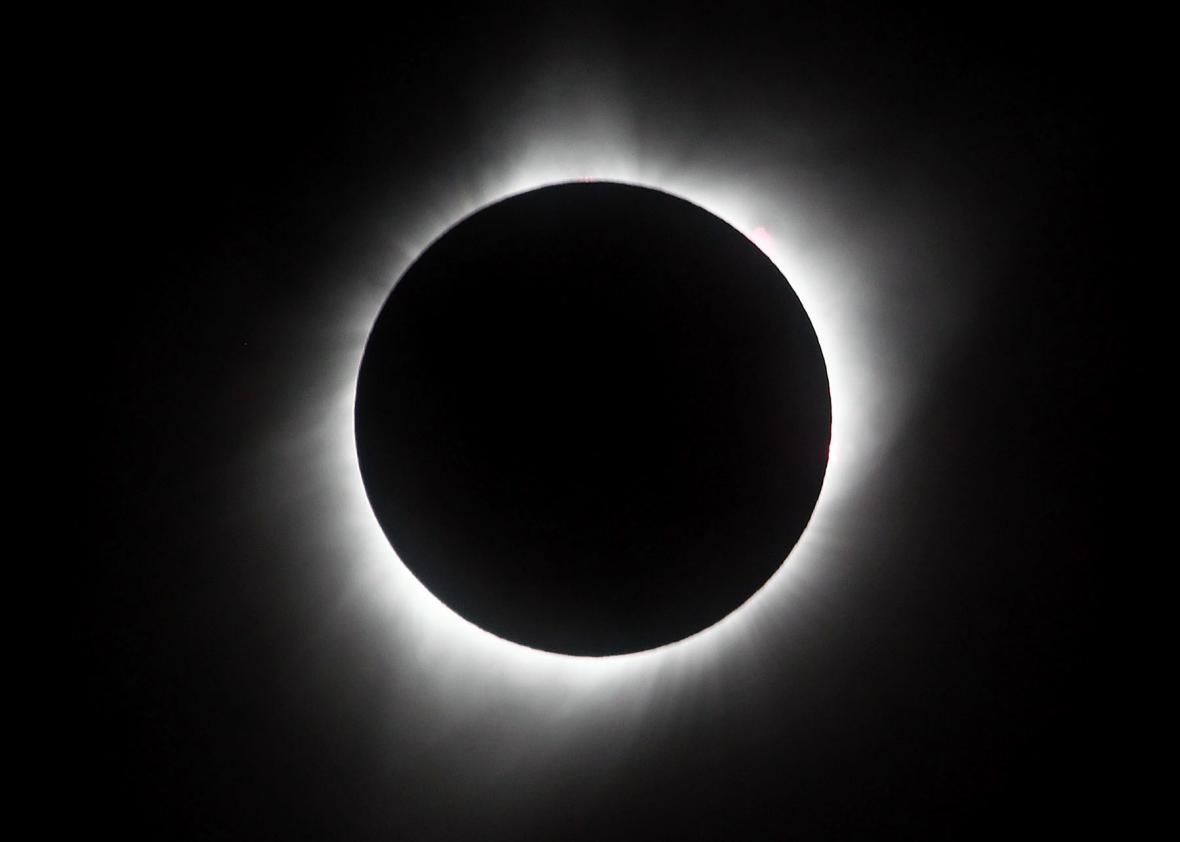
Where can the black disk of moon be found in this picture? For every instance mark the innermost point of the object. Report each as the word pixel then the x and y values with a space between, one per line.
pixel 593 418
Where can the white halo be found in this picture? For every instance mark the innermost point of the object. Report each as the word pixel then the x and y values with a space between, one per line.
pixel 455 660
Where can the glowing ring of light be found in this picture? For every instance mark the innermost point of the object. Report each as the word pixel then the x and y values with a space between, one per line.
pixel 450 649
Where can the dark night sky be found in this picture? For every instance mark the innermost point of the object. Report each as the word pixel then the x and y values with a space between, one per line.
pixel 945 677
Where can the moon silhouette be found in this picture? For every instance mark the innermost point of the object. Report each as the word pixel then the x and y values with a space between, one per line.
pixel 593 418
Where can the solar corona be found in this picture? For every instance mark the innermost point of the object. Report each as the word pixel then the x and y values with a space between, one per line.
pixel 452 656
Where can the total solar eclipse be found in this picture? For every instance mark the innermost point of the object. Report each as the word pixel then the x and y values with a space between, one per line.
pixel 593 418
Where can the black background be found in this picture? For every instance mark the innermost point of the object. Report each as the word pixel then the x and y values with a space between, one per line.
pixel 953 679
